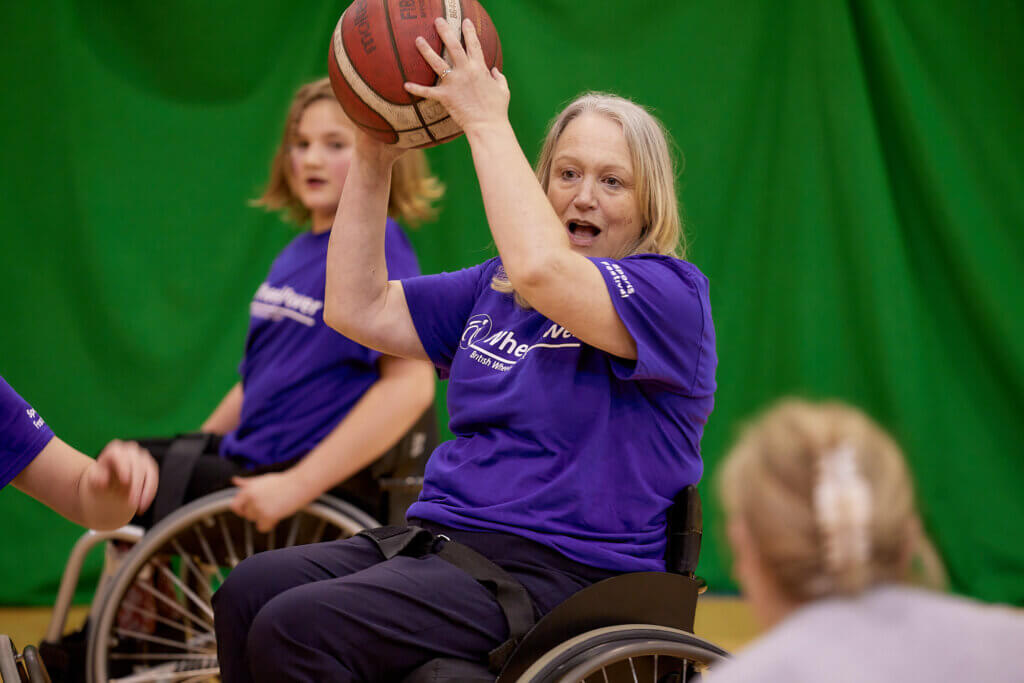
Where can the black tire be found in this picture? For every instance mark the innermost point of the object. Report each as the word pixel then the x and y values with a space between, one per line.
pixel 630 652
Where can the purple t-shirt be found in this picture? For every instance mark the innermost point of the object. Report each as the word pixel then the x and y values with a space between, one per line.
pixel 23 433
pixel 555 440
pixel 299 376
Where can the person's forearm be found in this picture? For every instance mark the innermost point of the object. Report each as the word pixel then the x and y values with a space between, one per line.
pixel 357 277
pixel 99 510
pixel 53 478
pixel 526 230
pixel 388 409
pixel 56 477
pixel 228 413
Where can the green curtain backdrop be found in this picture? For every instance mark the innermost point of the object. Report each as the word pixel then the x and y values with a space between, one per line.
pixel 853 188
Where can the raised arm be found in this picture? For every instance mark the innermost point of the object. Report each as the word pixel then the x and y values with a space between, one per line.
pixel 360 302
pixel 533 243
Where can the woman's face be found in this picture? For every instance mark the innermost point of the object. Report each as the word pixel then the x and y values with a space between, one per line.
pixel 321 152
pixel 592 187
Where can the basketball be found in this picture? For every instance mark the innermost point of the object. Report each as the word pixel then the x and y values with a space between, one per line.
pixel 373 53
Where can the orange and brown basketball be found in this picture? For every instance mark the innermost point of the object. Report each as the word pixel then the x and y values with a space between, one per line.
pixel 373 53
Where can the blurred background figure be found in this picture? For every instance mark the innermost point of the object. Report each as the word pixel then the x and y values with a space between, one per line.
pixel 100 494
pixel 826 538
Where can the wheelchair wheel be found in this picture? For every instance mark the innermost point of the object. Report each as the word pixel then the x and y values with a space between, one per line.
pixel 156 621
pixel 631 652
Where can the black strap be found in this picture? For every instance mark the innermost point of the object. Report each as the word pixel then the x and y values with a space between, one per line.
pixel 400 540
pixel 176 472
pixel 515 602
pixel 512 597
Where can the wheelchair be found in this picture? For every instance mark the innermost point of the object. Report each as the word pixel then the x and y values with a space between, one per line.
pixel 26 667
pixel 151 618
pixel 629 628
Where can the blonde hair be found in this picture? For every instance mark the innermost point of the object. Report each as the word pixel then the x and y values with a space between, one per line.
pixel 413 188
pixel 827 498
pixel 648 144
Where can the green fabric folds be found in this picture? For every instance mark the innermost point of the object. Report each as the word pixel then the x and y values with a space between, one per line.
pixel 853 188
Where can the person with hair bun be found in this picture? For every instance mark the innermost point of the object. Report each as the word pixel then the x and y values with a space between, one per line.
pixel 827 544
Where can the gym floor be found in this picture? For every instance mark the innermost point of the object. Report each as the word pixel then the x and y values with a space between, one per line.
pixel 724 620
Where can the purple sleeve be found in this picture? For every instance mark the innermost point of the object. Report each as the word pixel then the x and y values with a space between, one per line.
pixel 440 305
pixel 22 433
pixel 398 253
pixel 665 305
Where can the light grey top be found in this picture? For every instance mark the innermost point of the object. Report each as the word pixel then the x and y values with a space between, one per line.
pixel 890 633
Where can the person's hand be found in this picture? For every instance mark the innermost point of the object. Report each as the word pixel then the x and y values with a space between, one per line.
pixel 123 471
pixel 376 152
pixel 472 94
pixel 269 498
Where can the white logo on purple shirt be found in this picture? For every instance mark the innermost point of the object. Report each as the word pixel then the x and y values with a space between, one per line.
pixel 503 349
pixel 619 276
pixel 37 421
pixel 477 326
pixel 276 303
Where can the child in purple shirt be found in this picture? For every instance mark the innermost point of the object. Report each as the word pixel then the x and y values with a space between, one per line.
pixel 581 373
pixel 312 408
pixel 101 494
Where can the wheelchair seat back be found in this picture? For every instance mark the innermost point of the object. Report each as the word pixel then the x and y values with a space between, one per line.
pixel 685 529
pixel 398 474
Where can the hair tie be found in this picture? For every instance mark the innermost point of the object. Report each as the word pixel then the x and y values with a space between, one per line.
pixel 842 507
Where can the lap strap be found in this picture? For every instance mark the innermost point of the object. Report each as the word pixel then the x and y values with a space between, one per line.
pixel 512 597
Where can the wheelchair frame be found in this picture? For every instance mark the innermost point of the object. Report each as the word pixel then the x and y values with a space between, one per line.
pixel 198 536
pixel 618 628
pixel 622 625
pixel 15 668
pixel 398 473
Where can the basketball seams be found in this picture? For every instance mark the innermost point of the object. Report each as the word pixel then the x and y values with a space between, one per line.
pixel 401 66
pixel 352 68
pixel 410 124
pixel 361 111
pixel 370 97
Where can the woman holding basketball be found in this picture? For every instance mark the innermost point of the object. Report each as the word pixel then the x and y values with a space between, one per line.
pixel 581 366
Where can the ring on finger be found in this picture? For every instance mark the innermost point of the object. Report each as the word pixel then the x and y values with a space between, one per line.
pixel 444 73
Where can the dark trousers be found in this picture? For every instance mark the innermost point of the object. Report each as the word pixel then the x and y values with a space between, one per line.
pixel 339 612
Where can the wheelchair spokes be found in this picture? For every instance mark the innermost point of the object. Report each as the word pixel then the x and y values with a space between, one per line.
pixel 157 624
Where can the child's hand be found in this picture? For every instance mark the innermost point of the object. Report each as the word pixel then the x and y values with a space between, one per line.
pixel 269 498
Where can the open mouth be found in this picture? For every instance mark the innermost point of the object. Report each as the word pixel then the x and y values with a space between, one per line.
pixel 582 233
pixel 315 182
